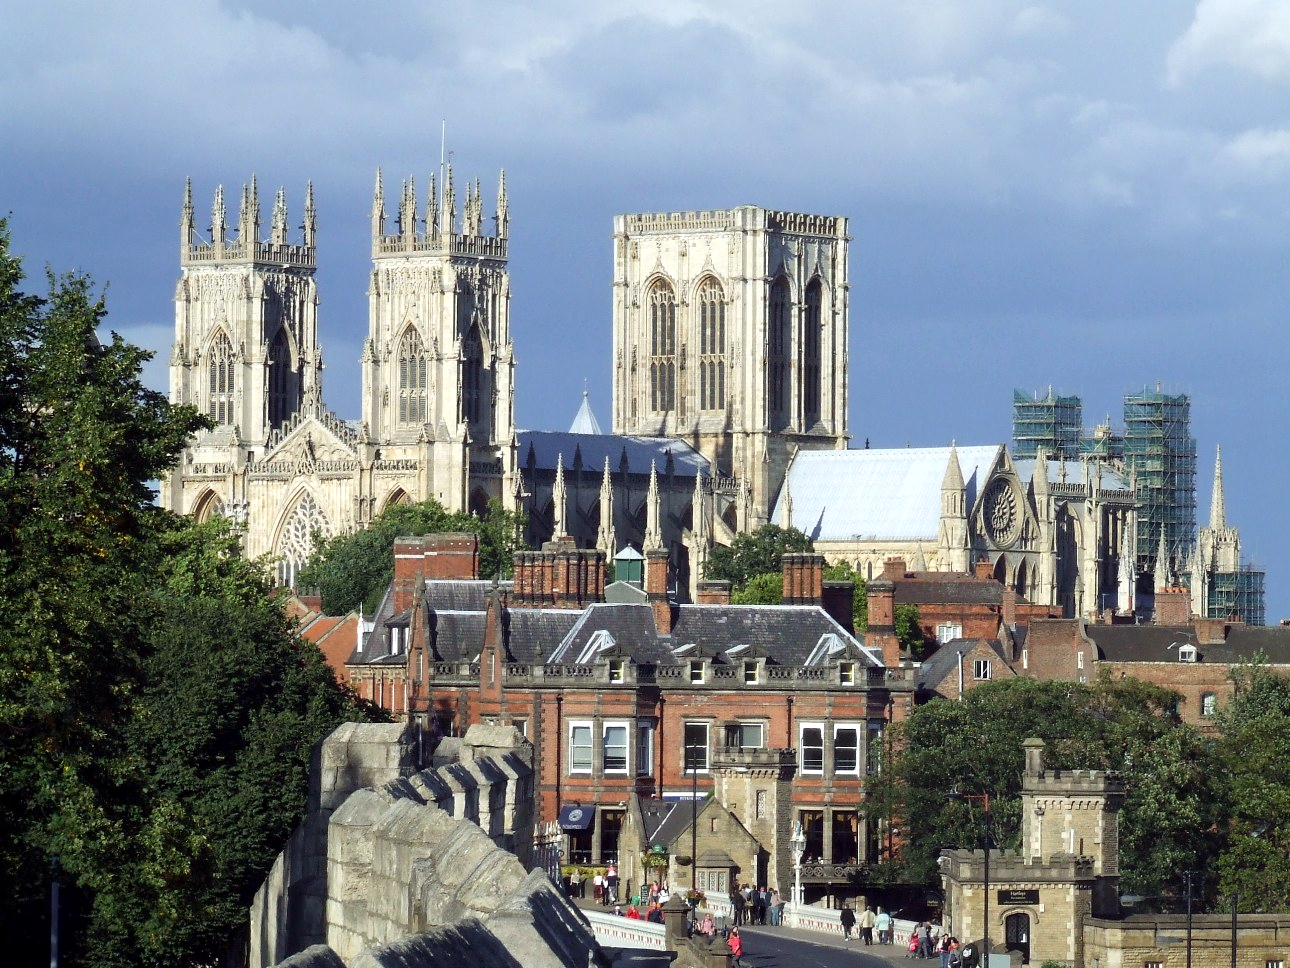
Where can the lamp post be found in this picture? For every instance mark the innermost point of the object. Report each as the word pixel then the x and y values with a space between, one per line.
pixel 798 844
pixel 985 812
pixel 692 761
pixel 886 769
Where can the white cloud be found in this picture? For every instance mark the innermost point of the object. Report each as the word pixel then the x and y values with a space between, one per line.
pixel 1039 22
pixel 1259 151
pixel 1247 36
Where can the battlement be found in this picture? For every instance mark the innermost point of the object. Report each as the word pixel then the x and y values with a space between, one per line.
pixel 743 217
pixel 1007 866
pixel 1072 782
pixel 265 254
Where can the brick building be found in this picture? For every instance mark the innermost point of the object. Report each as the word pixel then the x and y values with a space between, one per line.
pixel 624 691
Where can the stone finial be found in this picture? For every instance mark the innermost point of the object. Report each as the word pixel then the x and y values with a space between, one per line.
pixel 1034 748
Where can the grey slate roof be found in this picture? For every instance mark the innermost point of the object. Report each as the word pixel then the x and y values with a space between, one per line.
pixel 944 661
pixel 944 590
pixel 544 446
pixel 1152 643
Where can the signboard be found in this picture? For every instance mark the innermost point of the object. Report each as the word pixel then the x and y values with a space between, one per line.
pixel 1016 895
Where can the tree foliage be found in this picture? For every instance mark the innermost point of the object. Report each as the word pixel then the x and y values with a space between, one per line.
pixel 354 569
pixel 767 589
pixel 156 707
pixel 975 744
pixel 754 553
pixel 842 571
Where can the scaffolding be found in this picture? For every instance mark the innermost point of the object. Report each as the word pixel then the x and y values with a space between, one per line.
pixel 1049 421
pixel 1237 595
pixel 1103 443
pixel 1161 454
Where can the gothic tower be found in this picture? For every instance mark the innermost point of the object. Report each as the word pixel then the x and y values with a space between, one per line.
pixel 438 364
pixel 246 323
pixel 730 332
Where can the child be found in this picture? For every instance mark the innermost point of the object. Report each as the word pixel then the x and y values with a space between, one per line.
pixel 736 947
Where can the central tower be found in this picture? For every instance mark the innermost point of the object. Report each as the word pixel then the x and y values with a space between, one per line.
pixel 730 331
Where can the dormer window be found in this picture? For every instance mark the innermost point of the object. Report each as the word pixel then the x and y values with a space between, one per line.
pixel 696 672
pixel 751 673
pixel 847 673
pixel 617 670
pixel 1187 653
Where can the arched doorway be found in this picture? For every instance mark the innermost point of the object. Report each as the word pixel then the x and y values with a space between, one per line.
pixel 1017 935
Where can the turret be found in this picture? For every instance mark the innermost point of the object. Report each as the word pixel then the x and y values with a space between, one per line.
pixel 309 229
pixel 278 224
pixel 248 217
pixel 1217 504
pixel 503 218
pixel 219 220
pixel 449 213
pixel 559 501
pixel 186 228
pixel 432 210
pixel 605 537
pixel 653 513
pixel 378 209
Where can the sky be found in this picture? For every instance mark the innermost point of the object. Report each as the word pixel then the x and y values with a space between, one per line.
pixel 1091 196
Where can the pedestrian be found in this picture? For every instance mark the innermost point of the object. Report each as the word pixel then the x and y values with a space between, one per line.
pixel 633 912
pixel 848 918
pixel 759 906
pixel 598 888
pixel 708 926
pixel 943 949
pixel 611 884
pixel 924 940
pixel 776 907
pixel 866 921
pixel 739 902
pixel 883 923
pixel 736 947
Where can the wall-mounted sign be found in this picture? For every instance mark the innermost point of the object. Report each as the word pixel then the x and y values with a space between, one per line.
pixel 1017 895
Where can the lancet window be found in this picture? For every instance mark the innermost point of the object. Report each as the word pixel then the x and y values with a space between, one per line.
pixel 812 337
pixel 662 368
pixel 281 380
pixel 777 355
pixel 413 378
pixel 712 345
pixel 221 372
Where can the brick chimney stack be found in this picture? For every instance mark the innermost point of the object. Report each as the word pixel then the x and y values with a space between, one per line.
pixel 1173 606
pixel 983 569
pixel 561 575
pixel 882 616
pixel 893 569
pixel 448 556
pixel 839 602
pixel 713 593
pixel 656 589
pixel 803 579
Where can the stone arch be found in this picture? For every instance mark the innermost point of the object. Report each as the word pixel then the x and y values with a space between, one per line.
pixel 1020 583
pixel 396 496
pixel 1001 570
pixel 479 503
pixel 779 350
pixel 412 376
pixel 221 377
pixel 294 543
pixel 207 506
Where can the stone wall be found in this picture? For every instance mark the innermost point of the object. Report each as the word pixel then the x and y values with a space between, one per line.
pixel 1261 940
pixel 396 866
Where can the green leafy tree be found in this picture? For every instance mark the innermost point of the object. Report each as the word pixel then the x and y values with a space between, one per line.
pixel 975 744
pixel 1254 755
pixel 767 589
pixel 80 435
pixel 354 569
pixel 843 571
pixel 908 630
pixel 754 553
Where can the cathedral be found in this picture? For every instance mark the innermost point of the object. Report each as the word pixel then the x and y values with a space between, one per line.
pixel 438 371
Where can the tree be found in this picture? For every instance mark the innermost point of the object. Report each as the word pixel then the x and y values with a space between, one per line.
pixel 909 633
pixel 767 589
pixel 80 437
pixel 354 569
pixel 975 743
pixel 754 553
pixel 842 571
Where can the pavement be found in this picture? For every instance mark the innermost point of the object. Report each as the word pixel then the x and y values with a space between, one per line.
pixel 897 954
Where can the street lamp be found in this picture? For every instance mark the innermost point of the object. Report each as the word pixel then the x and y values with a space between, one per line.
pixel 692 758
pixel 985 810
pixel 798 844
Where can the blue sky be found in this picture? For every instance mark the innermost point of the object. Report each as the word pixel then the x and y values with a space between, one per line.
pixel 1092 196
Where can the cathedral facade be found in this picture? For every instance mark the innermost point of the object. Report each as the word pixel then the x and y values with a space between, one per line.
pixel 731 333
pixel 438 372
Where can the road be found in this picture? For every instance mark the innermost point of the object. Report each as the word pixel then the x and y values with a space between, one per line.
pixel 781 948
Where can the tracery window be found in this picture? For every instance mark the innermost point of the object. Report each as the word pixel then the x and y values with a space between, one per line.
pixel 777 352
pixel 297 542
pixel 222 380
pixel 712 346
pixel 811 355
pixel 413 378
pixel 280 380
pixel 472 375
pixel 662 368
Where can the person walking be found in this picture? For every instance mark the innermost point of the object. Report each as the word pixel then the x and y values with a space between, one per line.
pixel 866 922
pixel 776 908
pixel 848 918
pixel 883 923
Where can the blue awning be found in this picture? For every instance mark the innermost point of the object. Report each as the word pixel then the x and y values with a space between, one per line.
pixel 577 817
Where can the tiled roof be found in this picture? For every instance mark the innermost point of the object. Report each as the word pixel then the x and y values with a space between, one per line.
pixel 944 590
pixel 1159 643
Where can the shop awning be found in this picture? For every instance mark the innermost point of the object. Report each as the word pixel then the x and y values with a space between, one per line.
pixel 577 817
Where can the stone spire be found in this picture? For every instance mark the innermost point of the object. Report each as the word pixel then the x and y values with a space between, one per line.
pixel 449 213
pixel 1217 504
pixel 408 211
pixel 248 218
pixel 309 228
pixel 1162 562
pixel 219 218
pixel 605 537
pixel 503 218
pixel 278 224
pixel 432 210
pixel 584 421
pixel 787 517
pixel 920 563
pixel 653 513
pixel 378 208
pixel 953 534
pixel 559 500
pixel 186 217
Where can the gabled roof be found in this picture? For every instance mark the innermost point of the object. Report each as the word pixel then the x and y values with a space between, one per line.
pixel 886 495
pixel 943 663
pixel 585 422
pixel 1159 643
